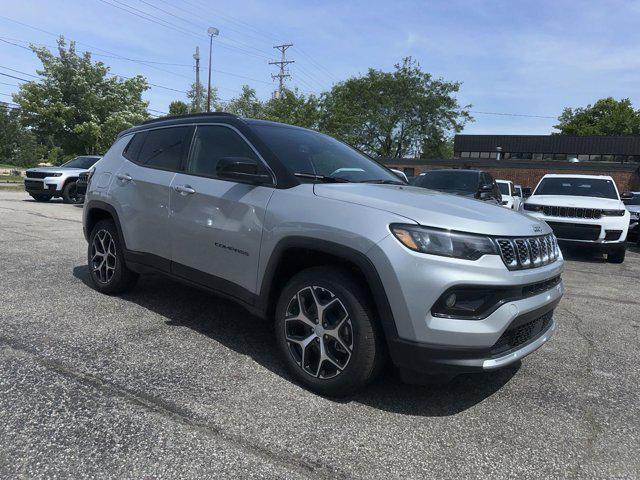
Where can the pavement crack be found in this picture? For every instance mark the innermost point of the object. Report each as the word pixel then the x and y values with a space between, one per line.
pixel 302 466
pixel 42 215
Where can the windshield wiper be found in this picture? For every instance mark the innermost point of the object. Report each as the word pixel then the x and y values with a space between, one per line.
pixel 322 178
pixel 385 182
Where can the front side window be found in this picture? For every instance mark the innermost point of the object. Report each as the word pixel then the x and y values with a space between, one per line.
pixel 577 187
pixel 163 148
pixel 307 152
pixel 458 181
pixel 504 188
pixel 210 144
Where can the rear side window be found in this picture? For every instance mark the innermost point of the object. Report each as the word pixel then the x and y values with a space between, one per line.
pixel 133 147
pixel 210 144
pixel 163 148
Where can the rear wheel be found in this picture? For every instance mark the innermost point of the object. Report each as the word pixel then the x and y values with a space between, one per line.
pixel 107 269
pixel 40 197
pixel 71 194
pixel 326 332
pixel 617 256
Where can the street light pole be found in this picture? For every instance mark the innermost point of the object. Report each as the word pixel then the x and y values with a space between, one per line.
pixel 213 32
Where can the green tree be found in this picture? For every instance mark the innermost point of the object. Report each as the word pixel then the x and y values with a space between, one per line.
pixel 607 116
pixel 392 114
pixel 246 104
pixel 76 105
pixel 193 104
pixel 178 107
pixel 293 108
pixel 18 144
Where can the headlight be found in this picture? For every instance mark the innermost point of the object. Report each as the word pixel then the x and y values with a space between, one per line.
pixel 613 213
pixel 54 174
pixel 444 242
pixel 532 208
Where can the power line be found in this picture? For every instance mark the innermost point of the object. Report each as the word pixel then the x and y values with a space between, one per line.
pixel 512 114
pixel 17 78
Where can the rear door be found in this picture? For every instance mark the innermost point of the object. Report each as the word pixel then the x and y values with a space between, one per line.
pixel 142 187
pixel 216 225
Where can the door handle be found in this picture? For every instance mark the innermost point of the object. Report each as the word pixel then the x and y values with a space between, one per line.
pixel 184 189
pixel 125 177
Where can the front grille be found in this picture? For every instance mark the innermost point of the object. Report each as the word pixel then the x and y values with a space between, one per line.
pixel 571 212
pixel 575 231
pixel 33 185
pixel 515 337
pixel 521 253
pixel 38 174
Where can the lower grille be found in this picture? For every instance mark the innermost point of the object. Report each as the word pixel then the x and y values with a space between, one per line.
pixel 518 336
pixel 575 231
pixel 33 185
pixel 610 235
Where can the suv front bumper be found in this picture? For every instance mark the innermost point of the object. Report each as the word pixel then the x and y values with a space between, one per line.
pixel 49 185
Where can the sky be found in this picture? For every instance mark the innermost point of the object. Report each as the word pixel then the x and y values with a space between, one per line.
pixel 526 60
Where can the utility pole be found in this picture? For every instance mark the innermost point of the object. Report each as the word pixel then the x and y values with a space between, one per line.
pixel 212 32
pixel 196 57
pixel 282 64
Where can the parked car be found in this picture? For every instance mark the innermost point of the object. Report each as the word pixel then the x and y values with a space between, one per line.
pixel 45 183
pixel 342 263
pixel 631 201
pixel 583 210
pixel 511 198
pixel 83 180
pixel 467 183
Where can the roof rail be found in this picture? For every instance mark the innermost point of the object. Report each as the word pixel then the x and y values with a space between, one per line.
pixel 190 115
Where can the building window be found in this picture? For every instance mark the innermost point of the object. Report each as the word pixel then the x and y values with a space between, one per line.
pixel 536 156
pixel 547 156
pixel 506 155
pixel 607 158
pixel 634 158
pixel 595 158
pixel 583 158
pixel 465 154
pixel 484 154
pixel 493 155
pixel 560 156
pixel 474 155
pixel 409 171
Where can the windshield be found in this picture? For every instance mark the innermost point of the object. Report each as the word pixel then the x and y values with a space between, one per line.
pixel 577 187
pixel 632 201
pixel 504 188
pixel 307 152
pixel 446 180
pixel 81 162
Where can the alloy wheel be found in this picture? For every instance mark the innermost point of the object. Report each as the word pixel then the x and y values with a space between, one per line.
pixel 318 332
pixel 103 256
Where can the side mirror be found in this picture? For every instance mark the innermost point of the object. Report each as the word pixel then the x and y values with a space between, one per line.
pixel 526 192
pixel 487 187
pixel 626 196
pixel 242 169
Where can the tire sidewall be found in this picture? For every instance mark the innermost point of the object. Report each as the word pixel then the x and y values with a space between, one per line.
pixel 366 345
pixel 65 193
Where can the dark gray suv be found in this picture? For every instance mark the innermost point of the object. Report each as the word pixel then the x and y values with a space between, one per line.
pixel 350 263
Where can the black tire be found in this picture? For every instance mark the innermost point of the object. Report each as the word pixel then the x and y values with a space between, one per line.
pixel 40 197
pixel 617 256
pixel 366 358
pixel 121 278
pixel 70 193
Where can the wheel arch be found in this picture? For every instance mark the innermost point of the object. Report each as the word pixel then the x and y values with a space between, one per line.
pixel 294 254
pixel 97 211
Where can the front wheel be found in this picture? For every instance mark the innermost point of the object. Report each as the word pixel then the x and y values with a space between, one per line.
pixel 326 332
pixel 617 256
pixel 109 274
pixel 71 194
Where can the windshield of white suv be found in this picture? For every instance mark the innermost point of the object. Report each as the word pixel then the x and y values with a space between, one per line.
pixel 577 187
pixel 313 155
pixel 465 181
pixel 80 162
pixel 504 188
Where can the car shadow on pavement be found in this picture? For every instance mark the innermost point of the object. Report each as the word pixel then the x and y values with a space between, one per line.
pixel 232 326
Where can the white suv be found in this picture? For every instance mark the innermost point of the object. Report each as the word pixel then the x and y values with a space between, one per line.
pixel 510 196
pixel 583 210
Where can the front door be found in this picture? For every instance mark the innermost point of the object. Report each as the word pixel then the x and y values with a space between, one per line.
pixel 216 225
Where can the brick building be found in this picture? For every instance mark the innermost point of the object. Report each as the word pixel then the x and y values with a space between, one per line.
pixel 526 158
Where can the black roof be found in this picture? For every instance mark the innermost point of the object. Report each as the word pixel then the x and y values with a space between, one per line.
pixel 592 144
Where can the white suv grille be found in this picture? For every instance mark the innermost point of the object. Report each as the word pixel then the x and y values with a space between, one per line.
pixel 529 252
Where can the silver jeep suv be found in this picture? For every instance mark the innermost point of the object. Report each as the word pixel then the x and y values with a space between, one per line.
pixel 350 263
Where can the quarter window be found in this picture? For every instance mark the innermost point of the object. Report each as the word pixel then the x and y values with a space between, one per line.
pixel 210 144
pixel 163 148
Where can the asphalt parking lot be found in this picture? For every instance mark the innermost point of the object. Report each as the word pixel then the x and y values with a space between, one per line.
pixel 167 381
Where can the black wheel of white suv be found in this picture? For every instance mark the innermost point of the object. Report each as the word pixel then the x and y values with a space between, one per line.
pixel 71 194
pixel 109 274
pixel 326 332
pixel 617 256
pixel 40 197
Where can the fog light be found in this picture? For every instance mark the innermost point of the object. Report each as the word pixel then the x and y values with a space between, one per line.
pixel 450 301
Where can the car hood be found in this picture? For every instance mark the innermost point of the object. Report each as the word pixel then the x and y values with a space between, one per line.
pixel 436 209
pixel 57 170
pixel 571 201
